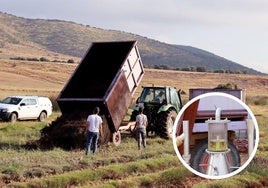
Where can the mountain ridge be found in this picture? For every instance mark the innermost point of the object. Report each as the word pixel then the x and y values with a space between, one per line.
pixel 72 40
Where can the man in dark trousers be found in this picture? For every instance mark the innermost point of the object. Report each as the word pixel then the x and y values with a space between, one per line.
pixel 140 127
pixel 94 128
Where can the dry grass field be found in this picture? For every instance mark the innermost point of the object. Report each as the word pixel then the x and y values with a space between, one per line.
pixel 114 167
pixel 31 78
pixel 48 78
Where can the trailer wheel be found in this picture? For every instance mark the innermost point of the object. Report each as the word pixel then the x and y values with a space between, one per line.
pixel 200 156
pixel 116 138
pixel 166 123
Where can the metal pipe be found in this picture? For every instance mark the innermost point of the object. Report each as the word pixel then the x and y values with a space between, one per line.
pixel 186 139
pixel 250 126
pixel 218 114
pixel 186 146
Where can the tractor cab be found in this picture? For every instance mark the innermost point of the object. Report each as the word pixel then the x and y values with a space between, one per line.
pixel 161 106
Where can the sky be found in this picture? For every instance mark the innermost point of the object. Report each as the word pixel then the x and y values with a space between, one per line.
pixel 234 29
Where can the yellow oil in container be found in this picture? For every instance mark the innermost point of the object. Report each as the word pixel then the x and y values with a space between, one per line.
pixel 217 145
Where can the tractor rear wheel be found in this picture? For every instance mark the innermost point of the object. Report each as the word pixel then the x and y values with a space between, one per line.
pixel 200 156
pixel 166 122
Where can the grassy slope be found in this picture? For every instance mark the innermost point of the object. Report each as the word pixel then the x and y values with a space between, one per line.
pixel 47 38
pixel 33 77
pixel 113 165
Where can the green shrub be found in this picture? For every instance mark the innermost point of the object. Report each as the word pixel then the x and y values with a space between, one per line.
pixel 43 59
pixel 174 176
pixel 261 100
pixel 227 86
pixel 257 100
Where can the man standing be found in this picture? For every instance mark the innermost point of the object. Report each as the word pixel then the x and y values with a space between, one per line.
pixel 94 128
pixel 140 127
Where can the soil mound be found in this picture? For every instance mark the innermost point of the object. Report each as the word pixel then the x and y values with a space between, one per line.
pixel 65 132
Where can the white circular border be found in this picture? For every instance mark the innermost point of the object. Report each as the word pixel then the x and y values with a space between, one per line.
pixel 175 130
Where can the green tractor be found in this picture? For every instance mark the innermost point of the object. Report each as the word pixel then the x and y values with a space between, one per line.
pixel 161 106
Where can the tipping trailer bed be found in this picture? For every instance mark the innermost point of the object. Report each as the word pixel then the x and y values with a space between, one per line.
pixel 107 77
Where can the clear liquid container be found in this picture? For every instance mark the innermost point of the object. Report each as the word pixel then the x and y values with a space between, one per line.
pixel 217 135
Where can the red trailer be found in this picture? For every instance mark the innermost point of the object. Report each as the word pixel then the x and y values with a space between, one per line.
pixel 107 77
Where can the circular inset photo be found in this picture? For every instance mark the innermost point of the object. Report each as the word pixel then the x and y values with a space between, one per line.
pixel 215 135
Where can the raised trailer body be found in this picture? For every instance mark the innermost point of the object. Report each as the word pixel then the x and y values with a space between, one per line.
pixel 107 77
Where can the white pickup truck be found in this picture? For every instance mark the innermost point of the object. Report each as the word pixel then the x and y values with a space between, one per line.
pixel 15 108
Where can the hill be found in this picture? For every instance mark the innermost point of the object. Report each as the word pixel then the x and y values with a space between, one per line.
pixel 60 40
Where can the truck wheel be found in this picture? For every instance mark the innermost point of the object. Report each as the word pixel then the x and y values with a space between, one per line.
pixel 166 123
pixel 200 156
pixel 116 138
pixel 13 117
pixel 42 117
